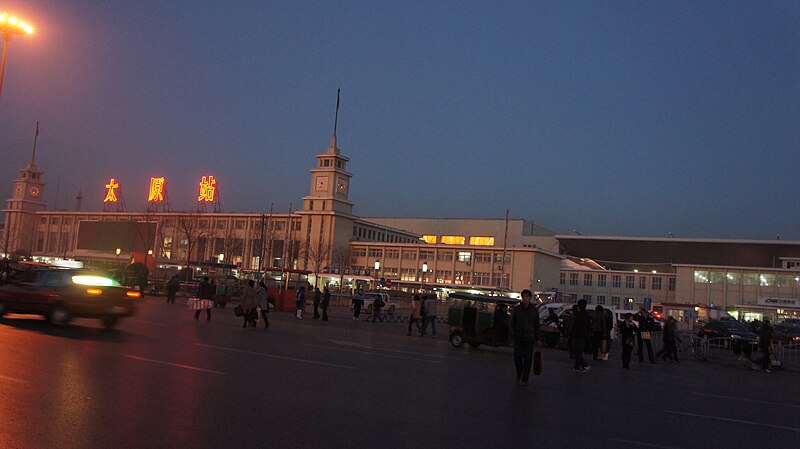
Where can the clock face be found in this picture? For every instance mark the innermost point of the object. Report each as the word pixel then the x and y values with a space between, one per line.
pixel 322 183
pixel 34 191
pixel 18 189
pixel 341 185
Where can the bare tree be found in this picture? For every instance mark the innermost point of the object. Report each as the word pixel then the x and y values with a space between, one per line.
pixel 9 238
pixel 190 226
pixel 231 244
pixel 317 256
pixel 341 260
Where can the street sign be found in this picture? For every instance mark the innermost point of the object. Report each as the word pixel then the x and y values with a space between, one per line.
pixel 389 283
pixel 383 281
pixel 648 303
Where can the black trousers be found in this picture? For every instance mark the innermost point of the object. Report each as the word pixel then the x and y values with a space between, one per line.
pixel 356 309
pixel 265 317
pixel 171 296
pixel 647 344
pixel 626 356
pixel 411 321
pixel 197 314
pixel 596 337
pixel 324 314
pixel 523 357
pixel 316 311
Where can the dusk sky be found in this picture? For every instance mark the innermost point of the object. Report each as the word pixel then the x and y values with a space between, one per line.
pixel 612 118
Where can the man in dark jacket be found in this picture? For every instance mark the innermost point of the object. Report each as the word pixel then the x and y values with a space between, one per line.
pixel 525 326
pixel 764 345
pixel 645 326
pixel 578 333
pixel 317 298
pixel 205 291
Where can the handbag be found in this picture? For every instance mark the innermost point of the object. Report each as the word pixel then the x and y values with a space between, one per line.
pixel 630 342
pixel 646 335
pixel 238 310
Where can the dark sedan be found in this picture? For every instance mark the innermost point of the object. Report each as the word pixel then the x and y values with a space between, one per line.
pixel 60 295
pixel 726 328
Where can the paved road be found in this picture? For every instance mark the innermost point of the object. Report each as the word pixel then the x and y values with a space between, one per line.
pixel 164 380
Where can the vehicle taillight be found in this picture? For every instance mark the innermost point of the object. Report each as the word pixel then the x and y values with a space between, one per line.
pixel 94 291
pixel 133 294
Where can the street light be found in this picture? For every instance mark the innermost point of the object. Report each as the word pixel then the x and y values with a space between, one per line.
pixel 377 267
pixel 118 251
pixel 424 274
pixel 10 25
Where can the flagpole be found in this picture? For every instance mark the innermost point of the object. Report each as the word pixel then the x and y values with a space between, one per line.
pixel 35 139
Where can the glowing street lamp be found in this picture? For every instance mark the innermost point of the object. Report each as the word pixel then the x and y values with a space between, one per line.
pixel 10 25
pixel 377 267
pixel 424 275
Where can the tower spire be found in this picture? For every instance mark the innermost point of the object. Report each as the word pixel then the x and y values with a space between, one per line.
pixel 35 138
pixel 333 148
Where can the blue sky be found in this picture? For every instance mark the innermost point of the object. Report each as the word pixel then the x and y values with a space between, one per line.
pixel 616 118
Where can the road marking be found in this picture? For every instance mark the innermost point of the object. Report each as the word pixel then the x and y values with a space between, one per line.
pixel 782 404
pixel 13 379
pixel 719 418
pixel 361 345
pixel 137 320
pixel 639 443
pixel 275 356
pixel 178 365
pixel 373 353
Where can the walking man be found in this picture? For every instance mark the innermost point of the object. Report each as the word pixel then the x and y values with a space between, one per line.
pixel 172 288
pixel 326 301
pixel 377 305
pixel 430 306
pixel 525 326
pixel 578 334
pixel 598 330
pixel 262 301
pixel 300 301
pixel 249 304
pixel 205 291
pixel 317 297
pixel 644 335
pixel 416 314
pixel 765 345
pixel 357 301
pixel 627 332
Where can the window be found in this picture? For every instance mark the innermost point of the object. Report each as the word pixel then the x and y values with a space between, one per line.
pixel 481 241
pixel 338 164
pixel 444 276
pixel 733 277
pixel 464 256
pixel 408 274
pixel 500 280
pixel 786 280
pixel 587 279
pixel 462 278
pixel 203 223
pixel 279 225
pixel 642 282
pixel 375 252
pixel 390 272
pixel 629 281
pixel 481 278
pixel 562 279
pixel 749 278
pixel 426 255
pixel 616 281
pixel 671 284
pixel 297 225
pixel 56 220
pixel 409 254
pixel 573 279
pixel 429 239
pixel 359 252
pixel 615 301
pixel 766 280
pixel 601 300
pixel 239 224
pixel 717 277
pixel 483 257
pixel 221 225
pixel 453 240
pixel 701 277
pixel 445 255
pixel 498 257
pixel 587 298
pixel 392 253
pixel 601 282
pixel 656 283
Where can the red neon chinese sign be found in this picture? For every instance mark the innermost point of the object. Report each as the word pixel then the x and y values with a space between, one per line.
pixel 207 189
pixel 157 189
pixel 111 194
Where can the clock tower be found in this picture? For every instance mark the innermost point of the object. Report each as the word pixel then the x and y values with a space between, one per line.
pixel 20 212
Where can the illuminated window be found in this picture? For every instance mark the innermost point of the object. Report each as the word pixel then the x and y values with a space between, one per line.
pixel 701 276
pixel 429 239
pixel 453 240
pixel 481 241
pixel 464 256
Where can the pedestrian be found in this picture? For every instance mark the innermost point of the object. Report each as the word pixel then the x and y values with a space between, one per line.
pixel 377 304
pixel 598 330
pixel 670 349
pixel 765 345
pixel 300 301
pixel 525 326
pixel 416 314
pixel 578 334
pixel 627 334
pixel 646 324
pixel 205 290
pixel 262 301
pixel 317 297
pixel 172 288
pixel 430 309
pixel 326 301
pixel 357 301
pixel 248 303
pixel 605 345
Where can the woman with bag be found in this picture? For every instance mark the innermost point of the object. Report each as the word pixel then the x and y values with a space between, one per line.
pixel 249 304
pixel 627 335
pixel 262 301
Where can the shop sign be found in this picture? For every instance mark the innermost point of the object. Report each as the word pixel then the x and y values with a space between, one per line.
pixel 778 302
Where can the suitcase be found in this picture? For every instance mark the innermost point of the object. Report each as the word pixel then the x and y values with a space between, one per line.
pixel 538 363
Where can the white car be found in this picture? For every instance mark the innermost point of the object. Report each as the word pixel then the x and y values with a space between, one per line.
pixel 389 305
